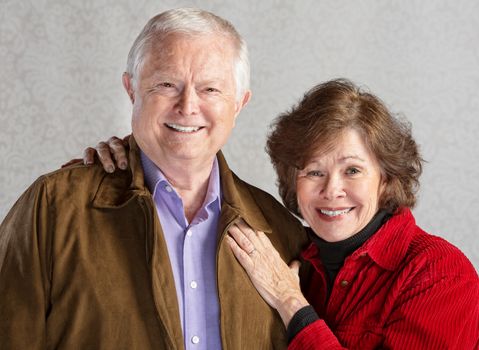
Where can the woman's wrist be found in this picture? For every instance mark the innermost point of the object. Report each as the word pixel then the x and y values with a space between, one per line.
pixel 301 319
pixel 288 307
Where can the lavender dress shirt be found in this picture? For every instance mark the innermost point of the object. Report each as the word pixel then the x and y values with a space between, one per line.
pixel 192 252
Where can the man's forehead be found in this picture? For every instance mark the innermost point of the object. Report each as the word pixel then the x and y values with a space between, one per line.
pixel 207 54
pixel 177 43
pixel 174 72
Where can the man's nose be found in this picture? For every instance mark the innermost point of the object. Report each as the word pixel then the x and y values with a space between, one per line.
pixel 333 187
pixel 188 104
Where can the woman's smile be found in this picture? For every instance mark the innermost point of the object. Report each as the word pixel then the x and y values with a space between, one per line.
pixel 332 214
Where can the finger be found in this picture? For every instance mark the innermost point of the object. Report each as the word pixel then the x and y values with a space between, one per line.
pixel 243 257
pixel 258 238
pixel 89 156
pixel 294 266
pixel 265 241
pixel 103 153
pixel 113 139
pixel 241 240
pixel 249 233
pixel 119 152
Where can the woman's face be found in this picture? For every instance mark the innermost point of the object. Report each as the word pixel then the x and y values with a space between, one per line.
pixel 338 191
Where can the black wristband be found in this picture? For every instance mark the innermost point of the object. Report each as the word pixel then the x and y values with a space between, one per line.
pixel 302 318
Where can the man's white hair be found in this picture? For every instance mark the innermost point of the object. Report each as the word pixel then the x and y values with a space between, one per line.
pixel 190 21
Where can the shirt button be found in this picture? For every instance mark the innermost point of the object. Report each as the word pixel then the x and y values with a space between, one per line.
pixel 195 339
pixel 189 233
pixel 193 284
pixel 344 283
pixel 168 188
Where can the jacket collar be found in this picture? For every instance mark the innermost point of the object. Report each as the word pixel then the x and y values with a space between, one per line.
pixel 117 189
pixel 390 244
pixel 138 178
pixel 237 197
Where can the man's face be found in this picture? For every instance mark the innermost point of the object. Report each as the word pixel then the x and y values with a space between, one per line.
pixel 184 99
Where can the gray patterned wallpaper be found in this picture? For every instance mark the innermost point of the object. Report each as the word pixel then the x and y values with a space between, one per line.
pixel 60 87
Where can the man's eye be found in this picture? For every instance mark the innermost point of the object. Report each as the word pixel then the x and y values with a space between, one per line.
pixel 210 89
pixel 166 85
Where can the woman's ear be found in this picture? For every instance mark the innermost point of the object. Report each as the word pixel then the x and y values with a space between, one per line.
pixel 382 191
pixel 382 185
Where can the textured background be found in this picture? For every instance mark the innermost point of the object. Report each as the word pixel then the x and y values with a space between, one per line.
pixel 60 88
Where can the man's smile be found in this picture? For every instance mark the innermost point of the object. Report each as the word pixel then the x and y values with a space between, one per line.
pixel 183 128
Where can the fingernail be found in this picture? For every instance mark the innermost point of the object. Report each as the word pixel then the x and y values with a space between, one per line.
pixel 123 165
pixel 110 169
pixel 90 162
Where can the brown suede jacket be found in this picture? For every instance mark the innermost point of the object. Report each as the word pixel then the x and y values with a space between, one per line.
pixel 84 265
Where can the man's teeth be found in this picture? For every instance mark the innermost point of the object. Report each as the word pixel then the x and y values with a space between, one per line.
pixel 335 212
pixel 183 128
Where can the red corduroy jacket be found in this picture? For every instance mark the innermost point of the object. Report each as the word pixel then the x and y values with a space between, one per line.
pixel 402 289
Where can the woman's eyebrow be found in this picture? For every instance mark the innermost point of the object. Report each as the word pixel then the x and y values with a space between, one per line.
pixel 353 157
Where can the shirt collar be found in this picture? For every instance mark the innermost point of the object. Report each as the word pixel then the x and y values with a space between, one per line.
pixel 154 177
pixel 387 247
pixel 390 244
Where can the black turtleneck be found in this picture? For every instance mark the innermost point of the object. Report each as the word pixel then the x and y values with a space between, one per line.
pixel 332 255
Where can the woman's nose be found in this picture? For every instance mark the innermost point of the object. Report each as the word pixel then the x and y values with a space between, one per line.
pixel 332 187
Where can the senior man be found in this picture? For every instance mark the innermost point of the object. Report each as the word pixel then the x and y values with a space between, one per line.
pixel 137 259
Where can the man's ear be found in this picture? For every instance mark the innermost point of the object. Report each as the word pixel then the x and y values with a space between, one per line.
pixel 128 85
pixel 243 101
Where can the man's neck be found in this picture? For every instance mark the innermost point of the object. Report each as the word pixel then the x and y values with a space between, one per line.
pixel 190 180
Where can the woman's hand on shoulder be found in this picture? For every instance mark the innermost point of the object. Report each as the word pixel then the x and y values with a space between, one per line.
pixel 111 153
pixel 275 281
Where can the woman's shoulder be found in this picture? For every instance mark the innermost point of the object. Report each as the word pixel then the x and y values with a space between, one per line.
pixel 438 256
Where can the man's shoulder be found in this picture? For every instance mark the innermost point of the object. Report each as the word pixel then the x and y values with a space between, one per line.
pixel 74 175
pixel 79 181
pixel 262 198
pixel 273 211
pixel 60 192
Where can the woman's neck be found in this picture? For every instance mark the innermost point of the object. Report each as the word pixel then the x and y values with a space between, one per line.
pixel 333 254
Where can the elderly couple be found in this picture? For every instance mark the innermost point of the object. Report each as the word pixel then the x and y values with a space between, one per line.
pixel 176 252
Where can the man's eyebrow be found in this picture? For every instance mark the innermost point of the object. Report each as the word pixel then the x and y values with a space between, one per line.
pixel 160 74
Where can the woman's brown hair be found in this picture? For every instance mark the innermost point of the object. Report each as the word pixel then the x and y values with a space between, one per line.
pixel 318 120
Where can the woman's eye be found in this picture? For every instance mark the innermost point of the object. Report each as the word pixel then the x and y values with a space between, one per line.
pixel 314 173
pixel 166 85
pixel 210 89
pixel 352 171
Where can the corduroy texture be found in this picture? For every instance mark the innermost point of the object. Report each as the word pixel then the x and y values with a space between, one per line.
pixel 403 289
pixel 84 265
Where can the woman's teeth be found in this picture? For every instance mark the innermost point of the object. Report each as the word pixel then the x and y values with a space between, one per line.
pixel 335 212
pixel 183 128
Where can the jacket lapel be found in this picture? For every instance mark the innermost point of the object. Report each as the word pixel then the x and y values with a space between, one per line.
pixel 237 201
pixel 117 190
pixel 243 311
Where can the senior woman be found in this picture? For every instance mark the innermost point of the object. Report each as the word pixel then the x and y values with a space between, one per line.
pixel 371 278
pixel 375 280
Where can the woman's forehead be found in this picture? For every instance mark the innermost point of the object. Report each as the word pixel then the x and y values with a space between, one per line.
pixel 345 146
